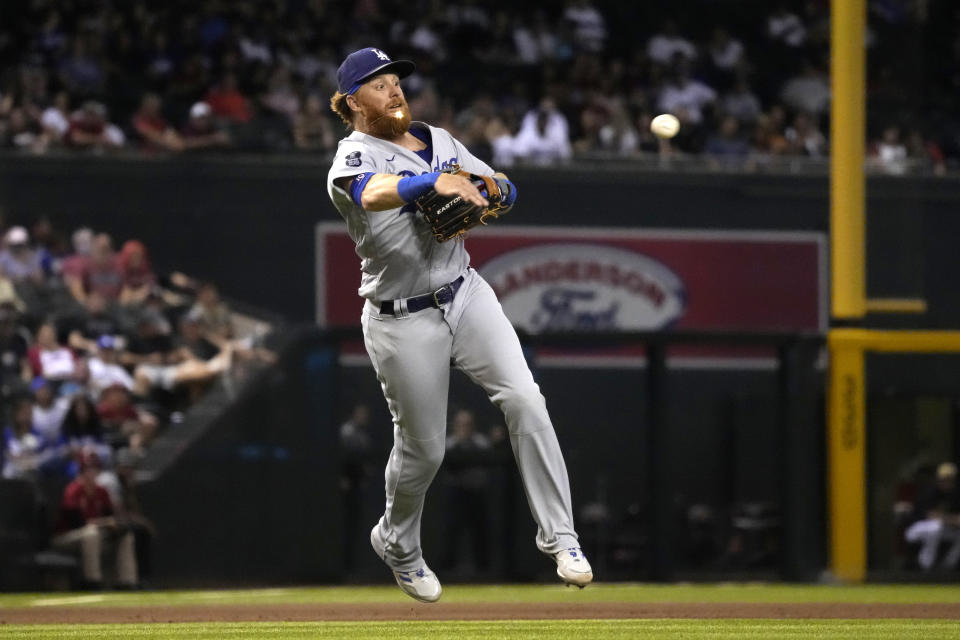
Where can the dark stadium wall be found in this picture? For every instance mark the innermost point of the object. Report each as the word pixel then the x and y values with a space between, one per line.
pixel 253 501
pixel 248 223
pixel 249 226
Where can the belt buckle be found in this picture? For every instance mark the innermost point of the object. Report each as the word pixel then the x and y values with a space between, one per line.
pixel 436 294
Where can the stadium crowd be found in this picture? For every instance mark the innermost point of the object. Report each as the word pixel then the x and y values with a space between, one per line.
pixel 519 83
pixel 98 352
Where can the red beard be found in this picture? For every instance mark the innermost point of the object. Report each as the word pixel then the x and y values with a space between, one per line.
pixel 386 125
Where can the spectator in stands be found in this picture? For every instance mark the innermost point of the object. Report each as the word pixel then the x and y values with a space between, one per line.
pixel 124 424
pixel 73 265
pixel 49 244
pixel 8 294
pixel 726 53
pixel 544 136
pixel 121 484
pixel 18 260
pixel 589 27
pixel 937 520
pixel 201 131
pixel 154 131
pixel 741 103
pixel 49 410
pixel 786 28
pixel 804 138
pixel 193 364
pixel 281 97
pixel 15 371
pixel 686 97
pixel 193 341
pixel 100 273
pixel 500 140
pixel 618 135
pixel 594 117
pixel 890 152
pixel 808 92
pixel 727 142
pixel 88 524
pixel 93 320
pixel 82 431
pixel 645 141
pixel 20 132
pixel 312 130
pixel 89 129
pixel 152 340
pixel 668 45
pixel 212 314
pixel 768 137
pixel 105 368
pixel 24 450
pixel 138 276
pixel 227 102
pixel 50 359
pixel 55 119
pixel 82 72
pixel 926 151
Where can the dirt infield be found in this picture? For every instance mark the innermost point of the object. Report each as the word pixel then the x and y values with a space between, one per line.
pixel 454 611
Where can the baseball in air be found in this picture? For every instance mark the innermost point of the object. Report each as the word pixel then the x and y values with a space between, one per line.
pixel 665 125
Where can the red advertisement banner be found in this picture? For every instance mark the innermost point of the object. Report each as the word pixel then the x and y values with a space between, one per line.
pixel 573 279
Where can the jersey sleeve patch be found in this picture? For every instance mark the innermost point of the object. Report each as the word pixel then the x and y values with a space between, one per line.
pixel 353 159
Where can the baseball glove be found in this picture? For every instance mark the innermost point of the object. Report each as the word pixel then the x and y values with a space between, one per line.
pixel 451 216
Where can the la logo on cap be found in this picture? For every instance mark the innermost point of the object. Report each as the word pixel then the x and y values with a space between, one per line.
pixel 381 54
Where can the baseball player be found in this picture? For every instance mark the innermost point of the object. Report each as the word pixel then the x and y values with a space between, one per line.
pixel 425 310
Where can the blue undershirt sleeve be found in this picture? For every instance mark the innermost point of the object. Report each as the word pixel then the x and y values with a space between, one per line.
pixel 412 187
pixel 357 185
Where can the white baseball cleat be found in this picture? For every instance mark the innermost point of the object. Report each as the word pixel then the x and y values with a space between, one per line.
pixel 421 584
pixel 573 567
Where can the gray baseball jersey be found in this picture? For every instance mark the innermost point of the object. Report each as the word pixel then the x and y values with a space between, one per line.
pixel 400 257
pixel 412 352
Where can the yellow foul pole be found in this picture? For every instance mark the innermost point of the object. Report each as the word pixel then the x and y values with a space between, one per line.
pixel 846 423
pixel 847 133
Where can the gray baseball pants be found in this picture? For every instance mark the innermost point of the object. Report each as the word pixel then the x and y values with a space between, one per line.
pixel 411 354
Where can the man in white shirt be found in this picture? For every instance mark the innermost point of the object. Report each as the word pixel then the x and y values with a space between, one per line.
pixel 105 370
pixel 663 46
pixel 544 136
pixel 48 410
pixel 685 98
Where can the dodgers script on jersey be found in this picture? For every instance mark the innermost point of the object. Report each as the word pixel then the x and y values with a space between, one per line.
pixel 400 256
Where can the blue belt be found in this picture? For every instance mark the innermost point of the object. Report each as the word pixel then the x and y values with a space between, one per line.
pixel 443 295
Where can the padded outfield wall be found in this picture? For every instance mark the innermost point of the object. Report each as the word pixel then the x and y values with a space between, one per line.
pixel 249 224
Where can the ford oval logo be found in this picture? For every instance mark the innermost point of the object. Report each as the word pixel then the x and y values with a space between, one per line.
pixel 585 287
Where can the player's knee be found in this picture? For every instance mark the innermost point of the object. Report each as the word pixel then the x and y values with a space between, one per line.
pixel 432 456
pixel 525 410
pixel 420 462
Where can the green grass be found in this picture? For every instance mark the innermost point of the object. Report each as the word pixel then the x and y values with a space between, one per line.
pixel 610 592
pixel 526 629
pixel 881 629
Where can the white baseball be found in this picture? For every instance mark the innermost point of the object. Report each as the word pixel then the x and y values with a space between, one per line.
pixel 665 125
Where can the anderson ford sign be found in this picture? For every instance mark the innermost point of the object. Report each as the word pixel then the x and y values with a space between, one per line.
pixel 584 286
pixel 552 278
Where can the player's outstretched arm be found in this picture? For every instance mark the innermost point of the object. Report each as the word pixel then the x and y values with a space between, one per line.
pixel 384 191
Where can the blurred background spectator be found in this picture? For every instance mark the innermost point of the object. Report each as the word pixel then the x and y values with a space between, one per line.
pixel 467 478
pixel 935 530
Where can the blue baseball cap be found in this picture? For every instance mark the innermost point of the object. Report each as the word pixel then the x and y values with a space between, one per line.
pixel 361 65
